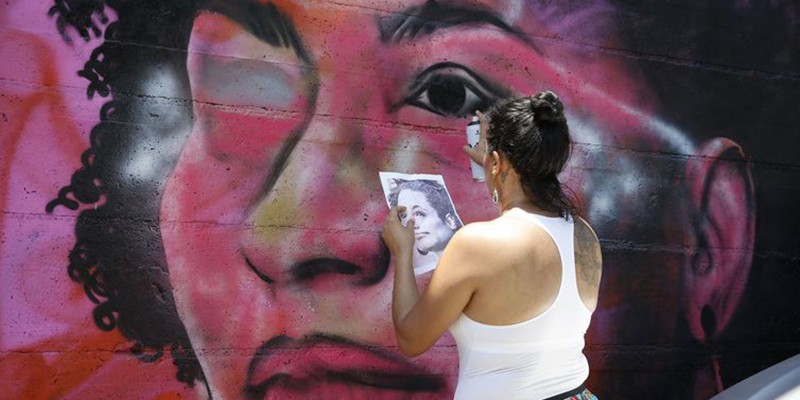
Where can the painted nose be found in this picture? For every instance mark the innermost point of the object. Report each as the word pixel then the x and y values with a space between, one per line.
pixel 315 234
pixel 326 204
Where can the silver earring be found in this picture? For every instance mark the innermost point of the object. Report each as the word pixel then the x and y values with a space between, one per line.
pixel 495 197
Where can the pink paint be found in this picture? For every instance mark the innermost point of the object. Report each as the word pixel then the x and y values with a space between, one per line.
pixel 224 231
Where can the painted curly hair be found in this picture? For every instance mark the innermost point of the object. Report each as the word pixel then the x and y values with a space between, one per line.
pixel 118 254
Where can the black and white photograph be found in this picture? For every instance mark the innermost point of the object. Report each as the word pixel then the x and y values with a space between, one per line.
pixel 428 202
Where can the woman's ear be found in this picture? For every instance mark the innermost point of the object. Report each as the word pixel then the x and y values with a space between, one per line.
pixel 496 161
pixel 722 218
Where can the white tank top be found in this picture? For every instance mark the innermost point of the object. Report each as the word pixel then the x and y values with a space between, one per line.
pixel 533 359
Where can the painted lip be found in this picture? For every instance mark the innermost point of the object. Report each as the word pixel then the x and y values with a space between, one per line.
pixel 286 362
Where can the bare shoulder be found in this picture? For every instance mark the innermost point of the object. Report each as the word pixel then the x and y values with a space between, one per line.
pixel 584 230
pixel 588 255
pixel 496 241
pixel 479 231
pixel 499 234
pixel 476 245
pixel 472 239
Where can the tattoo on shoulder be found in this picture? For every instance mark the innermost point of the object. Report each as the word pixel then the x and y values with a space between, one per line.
pixel 587 254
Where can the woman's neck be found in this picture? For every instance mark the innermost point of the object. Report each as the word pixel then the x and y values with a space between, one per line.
pixel 522 202
pixel 513 196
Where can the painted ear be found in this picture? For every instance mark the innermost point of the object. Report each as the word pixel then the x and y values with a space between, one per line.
pixel 722 217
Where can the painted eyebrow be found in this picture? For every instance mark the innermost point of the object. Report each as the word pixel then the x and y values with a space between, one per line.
pixel 268 23
pixel 416 21
pixel 265 21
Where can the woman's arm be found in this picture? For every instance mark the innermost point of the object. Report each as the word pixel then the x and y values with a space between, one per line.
pixel 419 320
pixel 400 241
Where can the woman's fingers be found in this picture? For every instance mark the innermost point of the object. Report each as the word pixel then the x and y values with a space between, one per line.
pixel 394 214
pixel 396 236
pixel 474 153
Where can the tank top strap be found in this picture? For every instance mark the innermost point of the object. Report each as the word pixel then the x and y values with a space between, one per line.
pixel 562 231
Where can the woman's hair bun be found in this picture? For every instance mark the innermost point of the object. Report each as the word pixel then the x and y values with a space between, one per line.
pixel 546 107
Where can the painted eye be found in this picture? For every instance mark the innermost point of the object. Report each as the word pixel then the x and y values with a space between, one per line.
pixel 452 90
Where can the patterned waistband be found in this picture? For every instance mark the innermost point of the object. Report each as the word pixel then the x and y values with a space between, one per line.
pixel 579 393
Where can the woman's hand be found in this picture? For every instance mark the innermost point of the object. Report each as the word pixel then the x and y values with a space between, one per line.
pixel 398 238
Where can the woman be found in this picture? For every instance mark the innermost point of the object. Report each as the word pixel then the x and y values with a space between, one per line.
pixel 427 202
pixel 516 292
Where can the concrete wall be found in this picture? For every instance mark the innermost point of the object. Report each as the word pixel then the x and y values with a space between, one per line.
pixel 191 204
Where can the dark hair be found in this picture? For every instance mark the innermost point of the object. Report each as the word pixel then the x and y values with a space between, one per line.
pixel 118 254
pixel 434 192
pixel 532 133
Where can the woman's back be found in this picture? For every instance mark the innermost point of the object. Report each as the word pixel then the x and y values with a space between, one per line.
pixel 525 274
pixel 517 292
pixel 521 334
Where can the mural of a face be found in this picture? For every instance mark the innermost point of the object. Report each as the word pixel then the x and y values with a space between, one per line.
pixel 431 232
pixel 271 210
pixel 270 218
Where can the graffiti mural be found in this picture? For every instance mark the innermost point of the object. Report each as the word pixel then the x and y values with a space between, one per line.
pixel 191 205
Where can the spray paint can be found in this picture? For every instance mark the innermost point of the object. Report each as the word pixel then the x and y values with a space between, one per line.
pixel 473 135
